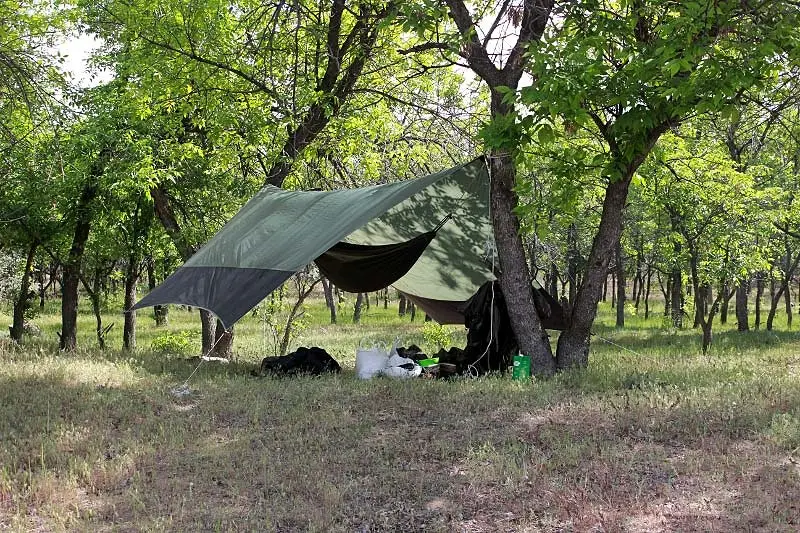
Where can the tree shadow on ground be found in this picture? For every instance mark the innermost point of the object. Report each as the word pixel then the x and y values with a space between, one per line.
pixel 336 454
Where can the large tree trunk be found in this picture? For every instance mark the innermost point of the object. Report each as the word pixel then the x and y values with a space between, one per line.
pixel 357 308
pixel 72 266
pixel 573 343
pixel 208 331
pixel 23 300
pixel 742 313
pixel 223 341
pixel 514 277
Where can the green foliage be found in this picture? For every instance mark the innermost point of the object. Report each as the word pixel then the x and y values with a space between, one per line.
pixel 174 343
pixel 436 334
pixel 629 70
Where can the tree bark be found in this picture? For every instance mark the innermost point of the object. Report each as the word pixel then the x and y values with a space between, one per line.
pixel 776 295
pixel 553 282
pixel 129 327
pixel 759 294
pixel 514 278
pixel 613 289
pixel 166 215
pixel 22 301
pixel 723 312
pixel 72 266
pixel 223 341
pixel 787 297
pixel 667 292
pixel 676 294
pixel 573 343
pixel 160 312
pixel 357 308
pixel 742 313
pixel 329 300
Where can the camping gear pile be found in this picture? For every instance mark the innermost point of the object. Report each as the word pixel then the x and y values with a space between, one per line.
pixel 307 361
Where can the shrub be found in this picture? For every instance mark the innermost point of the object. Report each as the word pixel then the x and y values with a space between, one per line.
pixel 178 343
pixel 437 335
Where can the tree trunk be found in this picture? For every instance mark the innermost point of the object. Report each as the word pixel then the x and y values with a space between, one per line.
pixel 94 297
pixel 723 312
pixel 23 300
pixel 223 342
pixel 72 267
pixel 573 343
pixel 514 277
pixel 329 300
pixel 129 328
pixel 166 215
pixel 773 308
pixel 401 304
pixel 787 297
pixel 613 290
pixel 707 336
pixel 676 294
pixel 357 308
pixel 553 282
pixel 742 314
pixel 647 292
pixel 208 328
pixel 620 269
pixel 666 291
pixel 412 310
pixel 776 296
pixel 160 312
pixel 759 294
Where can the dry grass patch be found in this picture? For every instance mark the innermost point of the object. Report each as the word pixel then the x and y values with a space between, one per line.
pixel 662 440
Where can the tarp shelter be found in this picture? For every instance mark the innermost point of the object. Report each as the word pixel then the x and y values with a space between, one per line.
pixel 429 237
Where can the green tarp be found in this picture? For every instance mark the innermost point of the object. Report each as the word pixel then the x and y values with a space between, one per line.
pixel 279 232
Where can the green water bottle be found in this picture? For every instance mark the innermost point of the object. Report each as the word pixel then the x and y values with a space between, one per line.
pixel 521 371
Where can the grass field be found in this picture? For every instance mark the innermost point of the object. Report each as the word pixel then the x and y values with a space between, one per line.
pixel 653 436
